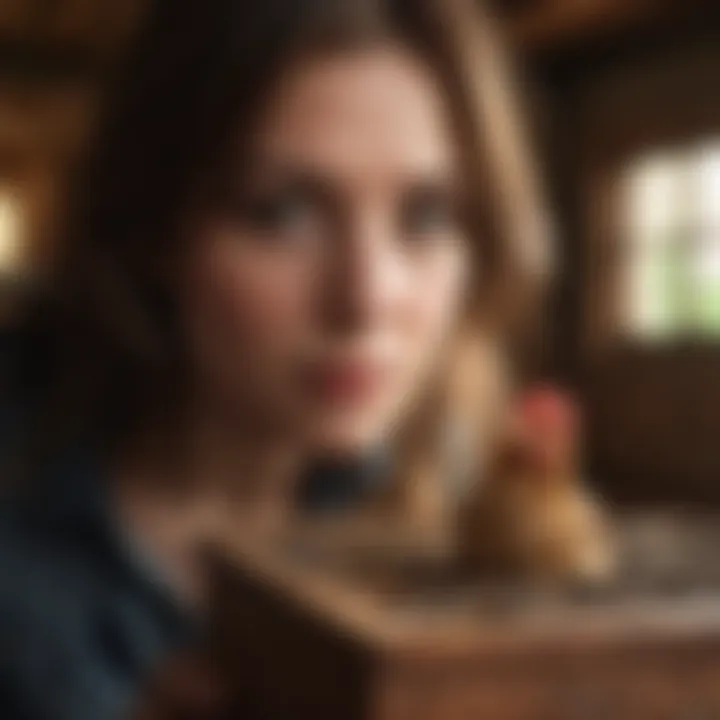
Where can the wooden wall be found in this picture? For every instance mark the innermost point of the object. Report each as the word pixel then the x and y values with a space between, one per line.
pixel 653 414
pixel 605 81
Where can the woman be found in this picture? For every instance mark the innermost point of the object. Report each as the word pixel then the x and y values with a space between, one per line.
pixel 292 235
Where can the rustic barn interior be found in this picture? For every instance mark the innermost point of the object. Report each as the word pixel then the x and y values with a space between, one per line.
pixel 624 110
pixel 615 87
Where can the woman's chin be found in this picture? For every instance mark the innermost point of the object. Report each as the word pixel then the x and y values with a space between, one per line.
pixel 344 436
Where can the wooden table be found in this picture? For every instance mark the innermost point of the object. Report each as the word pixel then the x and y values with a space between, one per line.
pixel 382 629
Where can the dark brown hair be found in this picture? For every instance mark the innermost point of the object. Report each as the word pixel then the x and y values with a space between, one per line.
pixel 199 74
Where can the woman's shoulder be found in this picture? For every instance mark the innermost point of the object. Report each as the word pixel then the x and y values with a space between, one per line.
pixel 35 565
pixel 22 539
pixel 40 606
pixel 70 648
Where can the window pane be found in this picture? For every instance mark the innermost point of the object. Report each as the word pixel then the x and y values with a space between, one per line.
pixel 706 280
pixel 708 184
pixel 654 276
pixel 657 195
pixel 672 227
pixel 706 256
pixel 658 205
pixel 11 231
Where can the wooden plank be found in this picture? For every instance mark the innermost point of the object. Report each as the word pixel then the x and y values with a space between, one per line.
pixel 75 22
pixel 291 631
pixel 413 597
pixel 96 26
pixel 16 17
pixel 547 24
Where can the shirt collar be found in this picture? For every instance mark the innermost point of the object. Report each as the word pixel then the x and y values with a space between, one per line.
pixel 333 485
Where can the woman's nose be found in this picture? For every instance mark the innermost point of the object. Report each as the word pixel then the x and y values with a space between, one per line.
pixel 369 275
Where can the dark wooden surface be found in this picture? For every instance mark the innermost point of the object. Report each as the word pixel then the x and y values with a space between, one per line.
pixel 383 632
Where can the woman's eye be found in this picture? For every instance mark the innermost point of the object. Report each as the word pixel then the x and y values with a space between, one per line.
pixel 282 214
pixel 426 215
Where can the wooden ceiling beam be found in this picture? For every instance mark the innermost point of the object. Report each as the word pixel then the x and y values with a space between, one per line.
pixel 100 27
pixel 95 26
pixel 549 24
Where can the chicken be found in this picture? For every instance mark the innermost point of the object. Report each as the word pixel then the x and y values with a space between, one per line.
pixel 533 516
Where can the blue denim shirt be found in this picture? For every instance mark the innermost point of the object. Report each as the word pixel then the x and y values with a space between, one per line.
pixel 83 619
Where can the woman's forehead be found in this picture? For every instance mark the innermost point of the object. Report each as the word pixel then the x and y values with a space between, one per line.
pixel 368 111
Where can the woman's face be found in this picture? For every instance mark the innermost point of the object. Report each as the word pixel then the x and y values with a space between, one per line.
pixel 319 294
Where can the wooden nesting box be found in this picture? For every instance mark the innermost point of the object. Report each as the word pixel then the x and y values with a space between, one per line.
pixel 386 630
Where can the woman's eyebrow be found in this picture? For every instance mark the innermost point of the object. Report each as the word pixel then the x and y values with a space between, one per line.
pixel 263 175
pixel 436 183
pixel 444 187
pixel 314 176
pixel 287 172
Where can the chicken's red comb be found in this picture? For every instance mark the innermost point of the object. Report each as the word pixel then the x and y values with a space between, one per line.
pixel 547 407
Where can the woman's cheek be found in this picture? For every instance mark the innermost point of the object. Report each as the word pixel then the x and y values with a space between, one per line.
pixel 439 310
pixel 261 294
pixel 245 313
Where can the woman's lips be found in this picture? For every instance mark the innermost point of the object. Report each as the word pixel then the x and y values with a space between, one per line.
pixel 347 382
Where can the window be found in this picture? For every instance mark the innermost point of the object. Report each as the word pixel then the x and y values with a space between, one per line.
pixel 672 230
pixel 10 231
